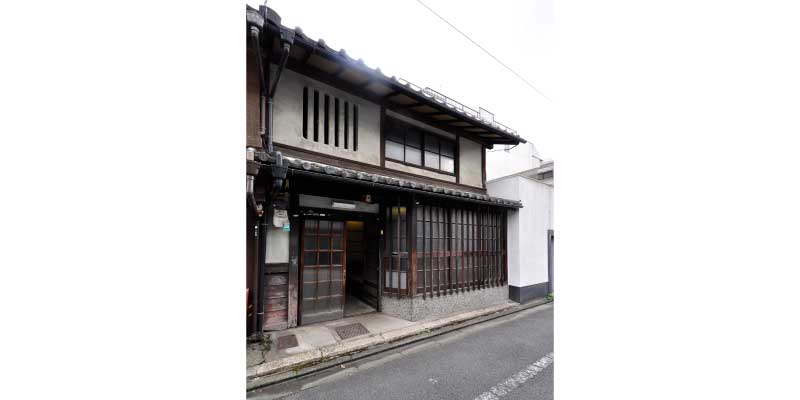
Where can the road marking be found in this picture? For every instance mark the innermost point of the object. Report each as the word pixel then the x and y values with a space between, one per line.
pixel 516 380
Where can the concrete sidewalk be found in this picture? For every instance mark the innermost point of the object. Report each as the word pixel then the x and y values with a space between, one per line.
pixel 319 346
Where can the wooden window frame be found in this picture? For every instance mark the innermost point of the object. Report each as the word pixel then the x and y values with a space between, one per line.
pixel 393 233
pixel 425 134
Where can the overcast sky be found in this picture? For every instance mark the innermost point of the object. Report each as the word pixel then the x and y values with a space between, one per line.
pixel 406 40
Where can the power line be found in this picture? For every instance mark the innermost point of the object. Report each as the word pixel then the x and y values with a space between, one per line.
pixel 484 50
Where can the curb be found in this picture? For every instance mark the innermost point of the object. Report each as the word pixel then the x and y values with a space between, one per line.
pixel 306 363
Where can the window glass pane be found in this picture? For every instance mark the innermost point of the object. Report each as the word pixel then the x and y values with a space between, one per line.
pixel 337 258
pixel 448 164
pixel 336 276
pixel 394 150
pixel 309 274
pixel 413 156
pixel 432 143
pixel 311 226
pixel 336 242
pixel 336 288
pixel 431 159
pixel 413 138
pixel 394 132
pixel 324 227
pixel 324 275
pixel 309 291
pixel 337 226
pixel 448 149
pixel 324 259
pixel 310 242
pixel 324 242
pixel 310 258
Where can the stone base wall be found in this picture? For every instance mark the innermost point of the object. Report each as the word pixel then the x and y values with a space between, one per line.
pixel 527 293
pixel 417 308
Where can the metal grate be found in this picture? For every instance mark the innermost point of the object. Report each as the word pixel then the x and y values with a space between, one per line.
pixel 286 342
pixel 352 330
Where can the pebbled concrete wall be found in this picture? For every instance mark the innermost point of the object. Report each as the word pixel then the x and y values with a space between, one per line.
pixel 417 308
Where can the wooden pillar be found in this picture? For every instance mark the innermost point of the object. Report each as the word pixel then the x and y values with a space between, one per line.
pixel 411 220
pixel 294 255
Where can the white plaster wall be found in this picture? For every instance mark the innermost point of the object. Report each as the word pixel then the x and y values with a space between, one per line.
pixel 536 219
pixel 288 120
pixel 527 228
pixel 277 245
pixel 470 166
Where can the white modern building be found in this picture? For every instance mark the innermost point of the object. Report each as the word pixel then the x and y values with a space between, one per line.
pixel 530 229
pixel 509 160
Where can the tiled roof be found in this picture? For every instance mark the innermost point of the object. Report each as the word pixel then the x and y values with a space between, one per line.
pixel 425 102
pixel 428 93
pixel 424 188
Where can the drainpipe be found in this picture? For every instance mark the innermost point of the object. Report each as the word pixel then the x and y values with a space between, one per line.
pixel 256 22
pixel 287 47
pixel 255 34
pixel 279 166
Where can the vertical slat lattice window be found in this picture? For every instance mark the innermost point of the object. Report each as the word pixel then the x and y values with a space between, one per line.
pixel 395 255
pixel 329 120
pixel 458 249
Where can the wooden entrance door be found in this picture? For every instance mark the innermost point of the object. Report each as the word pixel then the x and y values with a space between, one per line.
pixel 322 271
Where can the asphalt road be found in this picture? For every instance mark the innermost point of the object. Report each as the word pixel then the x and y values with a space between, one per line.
pixel 464 364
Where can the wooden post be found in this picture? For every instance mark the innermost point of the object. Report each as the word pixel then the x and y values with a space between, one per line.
pixel 411 219
pixel 294 255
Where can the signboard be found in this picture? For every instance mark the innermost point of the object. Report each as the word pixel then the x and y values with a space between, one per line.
pixel 280 218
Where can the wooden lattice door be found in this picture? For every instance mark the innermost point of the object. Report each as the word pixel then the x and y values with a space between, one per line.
pixel 322 271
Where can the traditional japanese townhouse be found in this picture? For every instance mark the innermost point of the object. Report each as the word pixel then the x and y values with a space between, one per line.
pixel 365 192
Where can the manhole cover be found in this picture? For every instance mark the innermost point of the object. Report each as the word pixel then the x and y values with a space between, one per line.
pixel 352 330
pixel 286 342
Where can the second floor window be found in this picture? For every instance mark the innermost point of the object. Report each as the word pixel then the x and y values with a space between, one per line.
pixel 330 120
pixel 410 145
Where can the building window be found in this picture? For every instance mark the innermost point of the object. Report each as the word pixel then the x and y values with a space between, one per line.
pixel 410 145
pixel 329 120
pixel 458 249
pixel 395 254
